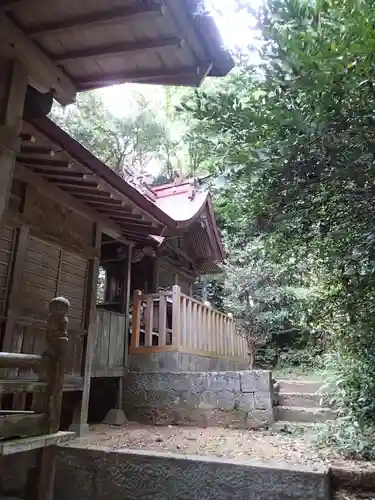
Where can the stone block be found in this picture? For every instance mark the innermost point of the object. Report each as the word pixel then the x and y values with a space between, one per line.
pixel 263 400
pixel 245 402
pixel 199 382
pixel 161 398
pixel 182 381
pixel 223 381
pixel 256 381
pixel 225 400
pixel 188 399
pixel 135 397
pixel 154 362
pixel 94 474
pixel 208 400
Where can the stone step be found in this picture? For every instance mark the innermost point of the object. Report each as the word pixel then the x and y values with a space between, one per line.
pixel 343 494
pixel 299 386
pixel 301 414
pixel 299 399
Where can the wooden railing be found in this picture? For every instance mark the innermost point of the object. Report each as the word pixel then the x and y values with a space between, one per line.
pixel 174 319
pixel 44 417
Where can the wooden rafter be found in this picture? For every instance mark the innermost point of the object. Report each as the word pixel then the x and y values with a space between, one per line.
pixel 118 49
pixel 40 162
pixel 98 18
pixel 14 43
pixel 125 213
pixel 60 196
pixel 36 150
pixel 53 172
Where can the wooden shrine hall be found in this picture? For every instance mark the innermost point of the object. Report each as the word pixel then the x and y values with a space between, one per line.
pixel 60 207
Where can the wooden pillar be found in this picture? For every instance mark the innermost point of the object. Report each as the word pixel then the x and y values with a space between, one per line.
pixel 156 274
pixel 127 302
pixel 125 305
pixel 13 85
pixel 136 319
pixel 80 425
pixel 176 315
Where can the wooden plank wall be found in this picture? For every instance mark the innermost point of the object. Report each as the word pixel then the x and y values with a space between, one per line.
pixel 43 254
pixel 109 344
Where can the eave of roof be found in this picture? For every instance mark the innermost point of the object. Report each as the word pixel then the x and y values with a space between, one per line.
pixel 84 157
pixel 68 47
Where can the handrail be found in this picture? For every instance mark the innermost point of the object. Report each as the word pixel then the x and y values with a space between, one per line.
pixel 195 325
pixel 16 360
pixel 51 367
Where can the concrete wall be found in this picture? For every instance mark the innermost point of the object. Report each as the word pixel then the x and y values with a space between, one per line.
pixel 228 399
pixel 182 362
pixel 93 474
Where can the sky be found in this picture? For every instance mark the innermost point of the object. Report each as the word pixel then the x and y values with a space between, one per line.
pixel 237 31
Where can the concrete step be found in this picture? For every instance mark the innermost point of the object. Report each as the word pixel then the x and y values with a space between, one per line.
pixel 299 386
pixel 299 399
pixel 302 414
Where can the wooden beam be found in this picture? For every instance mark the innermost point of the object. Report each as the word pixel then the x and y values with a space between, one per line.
pixel 58 173
pixel 36 150
pixel 41 162
pixel 118 49
pixel 14 76
pixel 9 140
pixel 98 18
pixel 15 44
pixel 79 183
pixel 188 75
pixel 136 228
pixel 25 175
pixel 121 211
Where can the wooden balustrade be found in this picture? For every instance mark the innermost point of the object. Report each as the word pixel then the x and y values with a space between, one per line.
pixel 175 320
pixel 45 416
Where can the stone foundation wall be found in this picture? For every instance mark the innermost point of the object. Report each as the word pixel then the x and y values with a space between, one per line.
pixel 95 474
pixel 228 399
pixel 182 362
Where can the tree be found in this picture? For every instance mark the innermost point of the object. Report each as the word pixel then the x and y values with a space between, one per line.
pixel 129 142
pixel 294 141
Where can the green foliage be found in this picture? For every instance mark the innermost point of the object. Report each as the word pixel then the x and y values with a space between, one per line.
pixel 294 141
pixel 133 140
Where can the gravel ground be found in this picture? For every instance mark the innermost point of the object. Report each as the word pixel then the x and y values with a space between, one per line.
pixel 272 447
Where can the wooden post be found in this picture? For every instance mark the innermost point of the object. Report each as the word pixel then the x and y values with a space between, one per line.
pixel 79 424
pixel 53 370
pixel 54 361
pixel 194 332
pixel 176 315
pixel 136 319
pixel 211 339
pixel 162 321
pixel 183 322
pixel 13 87
pixel 149 321
pixel 127 314
pixel 189 339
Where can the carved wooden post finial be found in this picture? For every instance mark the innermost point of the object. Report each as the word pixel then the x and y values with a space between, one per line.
pixel 57 325
pixel 55 356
